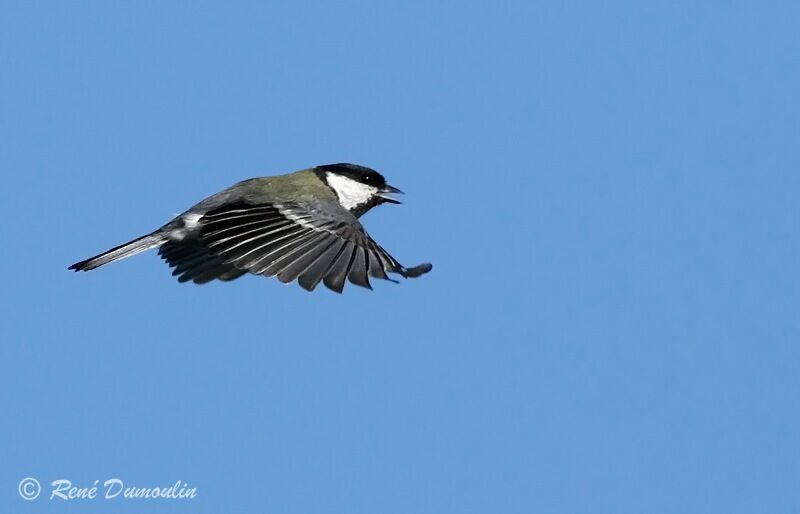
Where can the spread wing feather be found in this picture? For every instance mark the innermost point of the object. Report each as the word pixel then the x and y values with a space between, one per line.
pixel 193 261
pixel 309 243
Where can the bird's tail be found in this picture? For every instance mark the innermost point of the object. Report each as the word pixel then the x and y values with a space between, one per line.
pixel 120 252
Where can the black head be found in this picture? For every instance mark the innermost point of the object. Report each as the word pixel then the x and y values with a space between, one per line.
pixel 358 173
pixel 358 188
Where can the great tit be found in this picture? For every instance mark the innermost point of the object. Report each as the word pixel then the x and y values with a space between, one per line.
pixel 301 226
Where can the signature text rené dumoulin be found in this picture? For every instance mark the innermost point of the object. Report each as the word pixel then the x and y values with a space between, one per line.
pixel 116 488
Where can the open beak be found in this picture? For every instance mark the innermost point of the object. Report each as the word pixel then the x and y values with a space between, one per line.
pixel 388 190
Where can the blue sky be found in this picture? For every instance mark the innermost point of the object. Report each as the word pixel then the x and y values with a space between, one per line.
pixel 607 191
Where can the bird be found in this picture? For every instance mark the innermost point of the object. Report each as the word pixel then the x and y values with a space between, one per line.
pixel 300 226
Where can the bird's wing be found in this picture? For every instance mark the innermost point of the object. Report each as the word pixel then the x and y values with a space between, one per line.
pixel 193 261
pixel 304 241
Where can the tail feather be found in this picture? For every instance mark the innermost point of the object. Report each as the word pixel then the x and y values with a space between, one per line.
pixel 120 252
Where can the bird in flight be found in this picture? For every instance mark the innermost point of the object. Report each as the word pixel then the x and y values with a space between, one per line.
pixel 301 226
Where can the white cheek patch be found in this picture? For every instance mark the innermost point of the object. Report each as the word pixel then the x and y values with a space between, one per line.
pixel 351 193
